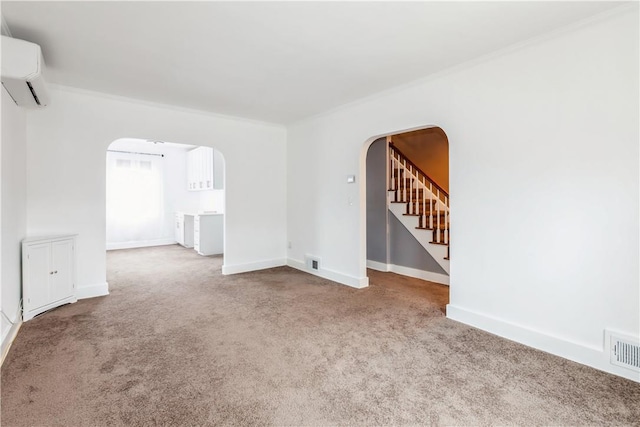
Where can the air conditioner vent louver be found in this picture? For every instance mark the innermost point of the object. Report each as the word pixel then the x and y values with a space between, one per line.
pixel 33 93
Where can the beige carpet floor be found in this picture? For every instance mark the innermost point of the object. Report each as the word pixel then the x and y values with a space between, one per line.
pixel 177 343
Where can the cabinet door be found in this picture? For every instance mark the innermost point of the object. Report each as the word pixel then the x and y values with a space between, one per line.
pixel 37 276
pixel 191 171
pixel 202 161
pixel 218 171
pixel 179 229
pixel 194 168
pixel 210 169
pixel 62 279
pixel 207 165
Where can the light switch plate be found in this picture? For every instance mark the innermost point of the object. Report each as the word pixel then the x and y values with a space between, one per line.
pixel 351 179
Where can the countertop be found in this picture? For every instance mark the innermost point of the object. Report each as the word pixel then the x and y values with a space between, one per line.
pixel 200 213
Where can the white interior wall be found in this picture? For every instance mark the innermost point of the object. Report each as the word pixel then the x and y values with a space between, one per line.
pixel 13 207
pixel 66 153
pixel 535 134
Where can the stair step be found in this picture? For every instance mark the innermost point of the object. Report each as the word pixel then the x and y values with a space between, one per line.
pixel 429 211
pixel 432 229
pixel 418 200
pixel 428 216
pixel 418 214
pixel 403 182
pixel 420 207
pixel 443 233
pixel 419 203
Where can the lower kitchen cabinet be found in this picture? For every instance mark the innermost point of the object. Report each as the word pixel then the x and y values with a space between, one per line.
pixel 208 234
pixel 184 229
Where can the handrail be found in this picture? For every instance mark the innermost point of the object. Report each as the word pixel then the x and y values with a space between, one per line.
pixel 395 148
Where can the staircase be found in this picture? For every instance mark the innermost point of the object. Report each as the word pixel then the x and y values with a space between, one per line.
pixel 420 204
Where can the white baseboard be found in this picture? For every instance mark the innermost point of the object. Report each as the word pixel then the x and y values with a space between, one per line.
pixel 592 356
pixel 140 244
pixel 91 291
pixel 378 266
pixel 253 266
pixel 354 282
pixel 430 276
pixel 9 335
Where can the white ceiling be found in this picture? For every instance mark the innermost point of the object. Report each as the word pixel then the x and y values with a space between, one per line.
pixel 271 61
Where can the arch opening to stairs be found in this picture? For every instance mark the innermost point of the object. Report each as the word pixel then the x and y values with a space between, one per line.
pixel 407 204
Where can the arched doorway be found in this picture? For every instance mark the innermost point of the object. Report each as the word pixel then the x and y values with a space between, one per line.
pixel 153 198
pixel 407 204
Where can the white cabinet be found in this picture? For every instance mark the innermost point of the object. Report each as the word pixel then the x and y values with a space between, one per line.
pixel 48 273
pixel 184 229
pixel 208 234
pixel 218 171
pixel 205 169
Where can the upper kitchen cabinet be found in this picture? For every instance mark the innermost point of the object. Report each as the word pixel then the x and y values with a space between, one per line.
pixel 205 169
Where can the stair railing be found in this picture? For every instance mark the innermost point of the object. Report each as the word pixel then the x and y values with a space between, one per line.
pixel 421 191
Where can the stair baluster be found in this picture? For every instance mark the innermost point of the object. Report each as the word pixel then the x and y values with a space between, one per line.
pixel 431 206
pixel 438 217
pixel 446 222
pixel 411 211
pixel 392 172
pixel 424 208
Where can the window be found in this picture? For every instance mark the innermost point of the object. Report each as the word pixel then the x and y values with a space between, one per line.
pixel 135 205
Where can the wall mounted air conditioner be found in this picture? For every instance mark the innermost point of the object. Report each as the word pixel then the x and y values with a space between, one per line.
pixel 22 67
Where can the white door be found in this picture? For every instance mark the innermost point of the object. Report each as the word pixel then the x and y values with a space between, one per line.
pixel 62 265
pixel 37 287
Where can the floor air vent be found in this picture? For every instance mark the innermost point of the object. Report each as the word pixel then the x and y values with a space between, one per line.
pixel 625 352
pixel 312 262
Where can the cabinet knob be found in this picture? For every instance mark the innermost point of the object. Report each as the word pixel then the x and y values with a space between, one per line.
pixel 55 272
pixel 51 272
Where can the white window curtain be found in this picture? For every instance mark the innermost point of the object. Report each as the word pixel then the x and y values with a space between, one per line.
pixel 135 205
